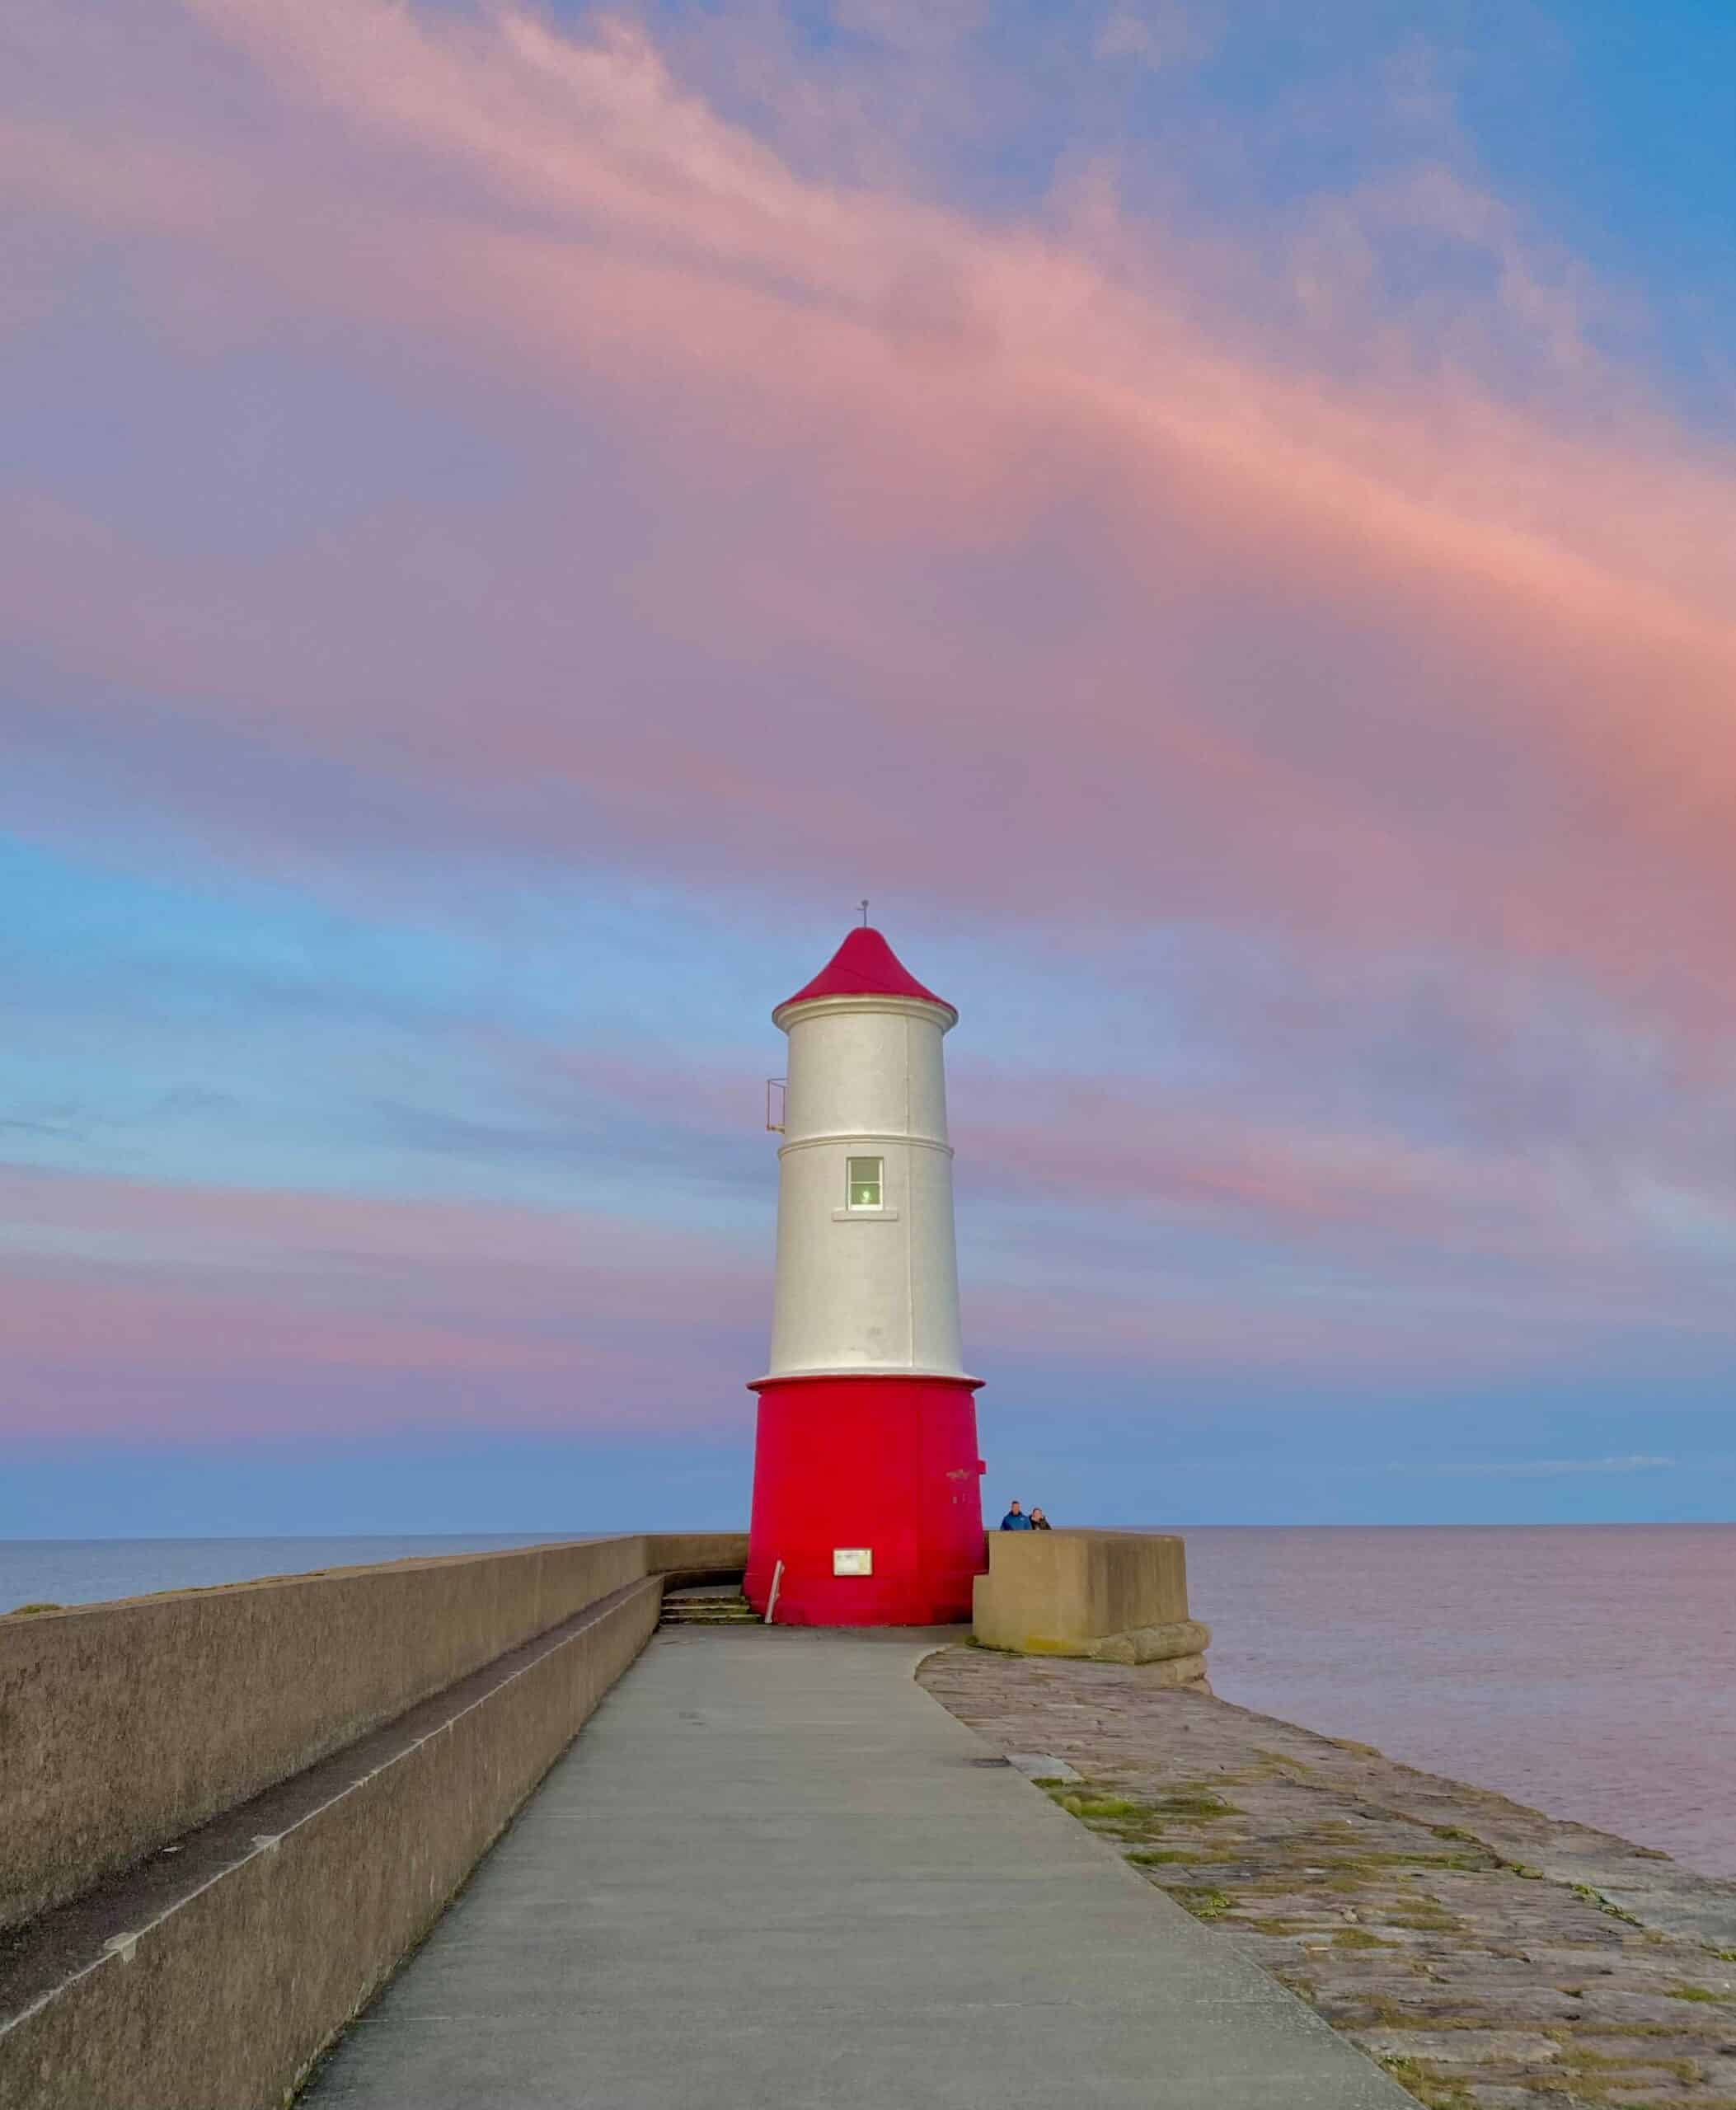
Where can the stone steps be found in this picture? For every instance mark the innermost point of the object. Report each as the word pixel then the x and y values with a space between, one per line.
pixel 707 1608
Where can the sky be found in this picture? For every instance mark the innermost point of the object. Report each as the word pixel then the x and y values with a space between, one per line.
pixel 1218 518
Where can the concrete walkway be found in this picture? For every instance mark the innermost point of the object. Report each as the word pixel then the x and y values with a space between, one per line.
pixel 772 1874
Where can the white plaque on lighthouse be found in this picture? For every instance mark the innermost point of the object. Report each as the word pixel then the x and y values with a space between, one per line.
pixel 852 1561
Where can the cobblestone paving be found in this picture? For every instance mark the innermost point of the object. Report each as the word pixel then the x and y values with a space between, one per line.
pixel 1490 1957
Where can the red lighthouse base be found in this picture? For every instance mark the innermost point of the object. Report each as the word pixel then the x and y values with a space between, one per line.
pixel 886 1466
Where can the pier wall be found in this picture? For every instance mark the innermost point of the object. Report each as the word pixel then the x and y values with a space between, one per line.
pixel 243 1805
pixel 126 1724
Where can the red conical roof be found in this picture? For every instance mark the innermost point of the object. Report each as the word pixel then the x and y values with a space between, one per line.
pixel 865 965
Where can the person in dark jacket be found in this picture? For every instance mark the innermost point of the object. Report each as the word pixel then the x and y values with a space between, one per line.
pixel 1039 1522
pixel 1016 1520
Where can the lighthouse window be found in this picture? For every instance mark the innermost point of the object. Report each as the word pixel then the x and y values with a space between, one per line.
pixel 865 1181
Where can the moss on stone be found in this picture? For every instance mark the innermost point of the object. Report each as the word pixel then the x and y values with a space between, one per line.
pixel 1587 2064
pixel 1093 1808
pixel 1591 1897
pixel 1435 2091
pixel 1373 1862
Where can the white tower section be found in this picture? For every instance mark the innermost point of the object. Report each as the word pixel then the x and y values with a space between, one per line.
pixel 867 1268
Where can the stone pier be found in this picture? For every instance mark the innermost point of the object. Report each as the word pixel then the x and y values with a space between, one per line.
pixel 290 1836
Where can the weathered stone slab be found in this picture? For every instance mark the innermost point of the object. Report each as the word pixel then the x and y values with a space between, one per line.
pixel 1463 2047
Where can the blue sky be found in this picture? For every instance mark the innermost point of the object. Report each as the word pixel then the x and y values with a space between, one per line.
pixel 1216 519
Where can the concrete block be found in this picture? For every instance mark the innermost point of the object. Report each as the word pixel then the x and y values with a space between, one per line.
pixel 1121 1596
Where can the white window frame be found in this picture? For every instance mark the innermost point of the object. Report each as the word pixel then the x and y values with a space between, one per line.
pixel 851 1206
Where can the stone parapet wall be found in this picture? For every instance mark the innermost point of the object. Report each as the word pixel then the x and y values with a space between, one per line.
pixel 212 1976
pixel 125 1725
pixel 1119 1596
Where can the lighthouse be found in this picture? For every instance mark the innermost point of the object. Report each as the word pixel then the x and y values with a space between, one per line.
pixel 866 1506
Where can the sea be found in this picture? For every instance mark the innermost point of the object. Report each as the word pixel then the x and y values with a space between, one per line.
pixel 1588 1671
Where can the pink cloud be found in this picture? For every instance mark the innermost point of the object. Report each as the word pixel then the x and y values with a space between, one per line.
pixel 203 1301
pixel 876 440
